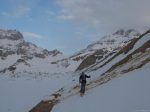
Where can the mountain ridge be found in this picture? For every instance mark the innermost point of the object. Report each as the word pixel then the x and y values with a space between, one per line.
pixel 13 45
pixel 31 56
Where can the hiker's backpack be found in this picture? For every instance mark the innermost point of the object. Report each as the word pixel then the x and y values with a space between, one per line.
pixel 82 78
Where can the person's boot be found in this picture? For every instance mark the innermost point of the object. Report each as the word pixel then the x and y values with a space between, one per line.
pixel 81 94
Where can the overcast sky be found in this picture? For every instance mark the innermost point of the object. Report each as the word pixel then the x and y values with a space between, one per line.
pixel 70 25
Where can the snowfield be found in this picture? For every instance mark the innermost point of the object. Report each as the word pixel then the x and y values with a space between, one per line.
pixel 128 93
pixel 22 94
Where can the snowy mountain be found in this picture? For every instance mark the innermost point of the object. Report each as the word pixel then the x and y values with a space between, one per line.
pixel 118 64
pixel 113 41
pixel 101 50
pixel 21 57
pixel 130 62
pixel 18 56
pixel 107 47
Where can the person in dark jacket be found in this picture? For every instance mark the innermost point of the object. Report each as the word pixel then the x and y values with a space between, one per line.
pixel 82 80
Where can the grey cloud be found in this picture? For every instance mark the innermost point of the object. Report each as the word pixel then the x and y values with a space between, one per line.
pixel 107 14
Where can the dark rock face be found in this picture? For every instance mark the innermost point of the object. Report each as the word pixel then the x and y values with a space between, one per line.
pixel 12 69
pixel 26 57
pixel 100 52
pixel 126 33
pixel 46 52
pixel 87 62
pixel 90 60
pixel 10 35
pixel 20 61
pixel 54 52
pixel 39 55
pixel 1 53
pixel 120 32
pixel 6 53
pixel 21 51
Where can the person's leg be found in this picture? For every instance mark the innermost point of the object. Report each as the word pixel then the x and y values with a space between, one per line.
pixel 82 90
pixel 83 87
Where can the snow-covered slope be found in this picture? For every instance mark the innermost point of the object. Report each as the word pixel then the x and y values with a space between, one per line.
pixel 22 94
pixel 129 93
pixel 129 57
pixel 132 59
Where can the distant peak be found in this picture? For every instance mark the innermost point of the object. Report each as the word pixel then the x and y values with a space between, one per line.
pixel 10 34
pixel 55 52
pixel 127 32
pixel 119 32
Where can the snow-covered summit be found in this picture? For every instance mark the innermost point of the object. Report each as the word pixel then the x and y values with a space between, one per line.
pixel 10 39
pixel 107 46
pixel 15 51
pixel 10 35
pixel 115 40
pixel 13 41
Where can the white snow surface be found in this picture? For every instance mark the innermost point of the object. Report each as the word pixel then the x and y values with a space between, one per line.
pixel 141 42
pixel 10 44
pixel 128 93
pixel 22 94
pixel 8 61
